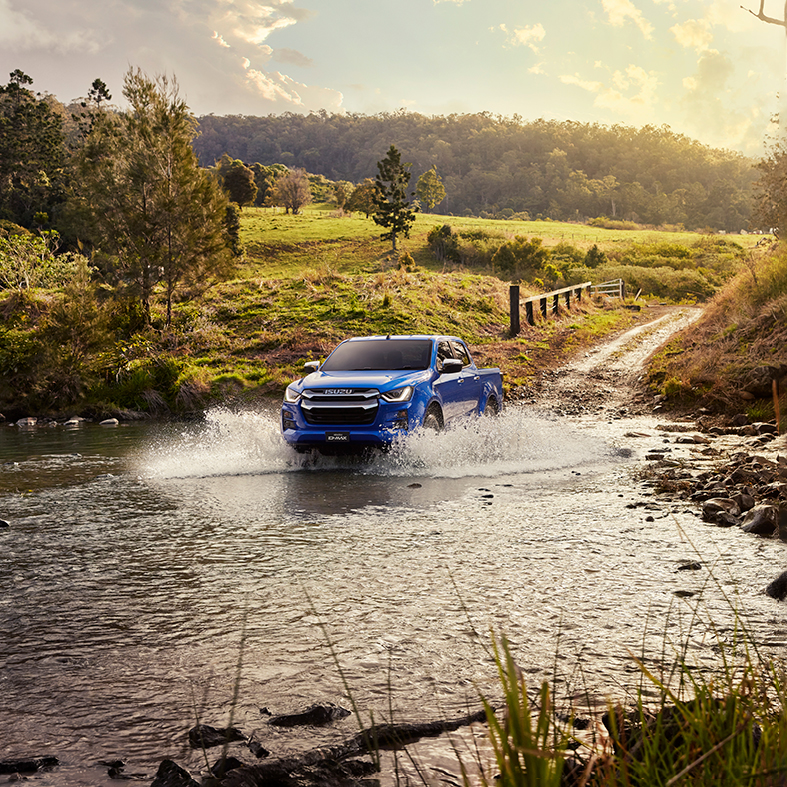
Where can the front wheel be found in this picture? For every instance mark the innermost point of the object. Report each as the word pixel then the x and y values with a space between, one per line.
pixel 492 407
pixel 434 418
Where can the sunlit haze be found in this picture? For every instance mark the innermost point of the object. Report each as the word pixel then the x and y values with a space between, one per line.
pixel 706 68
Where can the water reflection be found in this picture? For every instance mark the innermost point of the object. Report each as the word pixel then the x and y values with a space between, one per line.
pixel 134 554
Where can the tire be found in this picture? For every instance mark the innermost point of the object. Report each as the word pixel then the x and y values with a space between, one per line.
pixel 491 407
pixel 433 419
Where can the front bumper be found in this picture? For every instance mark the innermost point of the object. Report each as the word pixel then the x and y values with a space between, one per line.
pixel 391 421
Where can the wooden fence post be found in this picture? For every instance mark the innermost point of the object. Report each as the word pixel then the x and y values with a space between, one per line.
pixel 531 320
pixel 513 296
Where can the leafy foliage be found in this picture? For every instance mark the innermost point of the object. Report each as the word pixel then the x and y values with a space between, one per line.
pixel 429 189
pixel 521 258
pixel 149 203
pixel 237 180
pixel 32 153
pixel 292 191
pixel 489 164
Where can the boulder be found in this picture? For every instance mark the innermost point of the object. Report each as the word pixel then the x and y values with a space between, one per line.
pixel 778 588
pixel 203 736
pixel 27 421
pixel 762 520
pixel 28 764
pixel 315 715
pixel 745 501
pixel 721 511
pixel 170 774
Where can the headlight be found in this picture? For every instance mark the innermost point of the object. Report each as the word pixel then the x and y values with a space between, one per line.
pixel 291 395
pixel 399 394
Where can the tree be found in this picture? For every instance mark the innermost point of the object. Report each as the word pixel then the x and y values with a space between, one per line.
pixel 292 191
pixel 430 189
pixel 32 153
pixel 238 180
pixel 770 190
pixel 149 203
pixel 391 203
pixel 342 190
pixel 362 198
pixel 265 179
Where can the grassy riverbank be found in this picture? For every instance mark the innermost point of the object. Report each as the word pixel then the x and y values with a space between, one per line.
pixel 308 281
pixel 734 358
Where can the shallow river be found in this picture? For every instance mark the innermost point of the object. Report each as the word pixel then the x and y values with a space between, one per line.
pixel 146 567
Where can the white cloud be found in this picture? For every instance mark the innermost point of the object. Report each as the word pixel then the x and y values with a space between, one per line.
pixel 619 11
pixel 219 40
pixel 24 30
pixel 694 34
pixel 630 93
pixel 538 68
pixel 529 36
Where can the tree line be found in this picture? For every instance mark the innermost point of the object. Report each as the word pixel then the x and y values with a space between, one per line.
pixel 498 167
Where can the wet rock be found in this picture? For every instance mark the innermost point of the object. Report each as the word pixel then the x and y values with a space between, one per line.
pixel 778 588
pixel 762 520
pixel 28 764
pixel 170 774
pixel 739 420
pixel 27 421
pixel 109 422
pixel 258 750
pixel 203 736
pixel 721 511
pixel 692 566
pixel 745 501
pixel 759 381
pixel 224 765
pixel 315 715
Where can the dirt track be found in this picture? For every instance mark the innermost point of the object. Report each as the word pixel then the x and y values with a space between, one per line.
pixel 604 379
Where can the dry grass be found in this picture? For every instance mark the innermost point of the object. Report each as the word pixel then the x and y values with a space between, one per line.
pixel 743 328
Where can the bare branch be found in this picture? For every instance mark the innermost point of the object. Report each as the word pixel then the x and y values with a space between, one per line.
pixel 762 17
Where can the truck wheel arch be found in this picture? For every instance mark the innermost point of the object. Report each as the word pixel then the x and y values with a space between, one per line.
pixel 433 417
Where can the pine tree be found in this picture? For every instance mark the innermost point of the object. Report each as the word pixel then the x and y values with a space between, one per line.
pixel 151 206
pixel 392 205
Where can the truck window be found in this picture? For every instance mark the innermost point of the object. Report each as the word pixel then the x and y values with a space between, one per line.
pixel 379 355
pixel 443 352
pixel 461 353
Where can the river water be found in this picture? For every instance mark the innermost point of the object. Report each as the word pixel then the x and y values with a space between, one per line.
pixel 149 573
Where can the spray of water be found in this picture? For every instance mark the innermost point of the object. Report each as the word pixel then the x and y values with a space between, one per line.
pixel 242 443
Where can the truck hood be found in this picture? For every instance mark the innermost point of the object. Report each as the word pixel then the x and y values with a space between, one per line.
pixel 383 381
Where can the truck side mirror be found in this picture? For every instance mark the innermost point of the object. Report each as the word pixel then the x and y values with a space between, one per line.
pixel 311 366
pixel 451 366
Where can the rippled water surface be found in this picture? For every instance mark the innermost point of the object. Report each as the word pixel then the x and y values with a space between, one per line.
pixel 144 565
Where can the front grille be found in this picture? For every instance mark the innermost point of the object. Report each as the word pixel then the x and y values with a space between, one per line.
pixel 340 407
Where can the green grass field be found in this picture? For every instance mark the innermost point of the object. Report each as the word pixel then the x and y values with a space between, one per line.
pixel 319 237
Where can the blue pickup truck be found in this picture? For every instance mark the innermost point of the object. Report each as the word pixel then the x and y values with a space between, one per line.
pixel 372 390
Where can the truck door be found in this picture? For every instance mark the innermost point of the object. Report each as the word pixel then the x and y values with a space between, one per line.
pixel 448 386
pixel 470 380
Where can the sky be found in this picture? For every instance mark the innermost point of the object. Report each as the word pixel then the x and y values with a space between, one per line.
pixel 708 69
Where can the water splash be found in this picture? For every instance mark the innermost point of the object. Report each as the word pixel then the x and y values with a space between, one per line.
pixel 243 443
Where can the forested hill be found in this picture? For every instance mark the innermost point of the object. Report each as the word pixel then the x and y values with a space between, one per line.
pixel 498 166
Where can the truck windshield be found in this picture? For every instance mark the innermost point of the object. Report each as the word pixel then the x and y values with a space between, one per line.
pixel 380 355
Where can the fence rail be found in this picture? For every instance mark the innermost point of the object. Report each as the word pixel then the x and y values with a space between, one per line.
pixel 543 300
pixel 614 288
pixel 610 289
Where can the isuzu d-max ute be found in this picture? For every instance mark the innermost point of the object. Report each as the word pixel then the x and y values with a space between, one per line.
pixel 373 390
